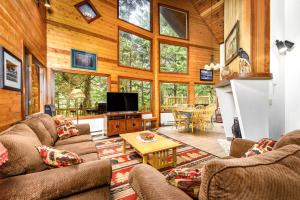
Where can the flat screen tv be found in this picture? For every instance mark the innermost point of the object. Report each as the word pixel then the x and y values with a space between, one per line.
pixel 122 102
pixel 206 75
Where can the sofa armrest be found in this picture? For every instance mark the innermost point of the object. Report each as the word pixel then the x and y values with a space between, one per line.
pixel 150 184
pixel 84 129
pixel 58 182
pixel 239 147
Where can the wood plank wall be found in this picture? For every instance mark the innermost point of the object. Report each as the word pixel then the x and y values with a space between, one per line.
pixel 67 29
pixel 254 18
pixel 21 24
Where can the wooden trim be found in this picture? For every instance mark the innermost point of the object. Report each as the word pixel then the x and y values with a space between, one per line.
pixel 93 8
pixel 78 71
pixel 180 10
pixel 151 17
pixel 67 52
pixel 141 36
pixel 140 79
pixel 79 30
pixel 173 43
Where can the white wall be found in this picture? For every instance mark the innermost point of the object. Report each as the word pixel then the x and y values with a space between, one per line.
pixel 277 92
pixel 292 66
pixel 285 108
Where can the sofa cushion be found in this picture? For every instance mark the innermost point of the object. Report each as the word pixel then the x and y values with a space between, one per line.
pixel 72 140
pixel 102 193
pixel 89 157
pixel 23 157
pixel 79 148
pixel 272 175
pixel 67 130
pixel 40 130
pixel 50 125
pixel 290 138
pixel 58 158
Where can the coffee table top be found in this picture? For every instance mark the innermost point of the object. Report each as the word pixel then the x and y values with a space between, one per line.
pixel 160 144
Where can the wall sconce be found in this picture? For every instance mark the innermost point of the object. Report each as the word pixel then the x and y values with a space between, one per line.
pixel 284 46
pixel 47 3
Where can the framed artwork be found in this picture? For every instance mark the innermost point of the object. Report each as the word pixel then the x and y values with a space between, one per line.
pixel 206 75
pixel 87 10
pixel 232 44
pixel 10 71
pixel 83 60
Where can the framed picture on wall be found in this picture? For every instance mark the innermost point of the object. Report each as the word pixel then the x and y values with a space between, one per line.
pixel 232 44
pixel 206 75
pixel 83 60
pixel 10 71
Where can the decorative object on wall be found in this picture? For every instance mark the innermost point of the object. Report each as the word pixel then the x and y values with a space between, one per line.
pixel 87 10
pixel 83 60
pixel 284 46
pixel 245 67
pixel 232 44
pixel 212 65
pixel 206 75
pixel 10 71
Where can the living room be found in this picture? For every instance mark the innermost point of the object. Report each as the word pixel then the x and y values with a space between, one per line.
pixel 149 99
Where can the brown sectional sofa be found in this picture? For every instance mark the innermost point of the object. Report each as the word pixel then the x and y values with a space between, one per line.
pixel 273 175
pixel 25 176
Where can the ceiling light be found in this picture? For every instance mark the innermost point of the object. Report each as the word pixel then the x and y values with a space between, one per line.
pixel 284 46
pixel 289 45
pixel 47 4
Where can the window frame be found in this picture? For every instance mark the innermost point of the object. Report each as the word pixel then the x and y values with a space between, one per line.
pixel 151 17
pixel 187 23
pixel 174 43
pixel 140 79
pixel 166 81
pixel 52 80
pixel 141 36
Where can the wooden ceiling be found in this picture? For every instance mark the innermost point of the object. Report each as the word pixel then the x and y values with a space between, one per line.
pixel 214 22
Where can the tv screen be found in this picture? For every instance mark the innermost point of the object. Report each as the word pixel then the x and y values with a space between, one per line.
pixel 122 102
pixel 206 75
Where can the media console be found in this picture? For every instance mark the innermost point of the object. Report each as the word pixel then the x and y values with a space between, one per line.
pixel 122 122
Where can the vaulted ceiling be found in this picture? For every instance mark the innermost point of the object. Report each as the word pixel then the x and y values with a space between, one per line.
pixel 215 21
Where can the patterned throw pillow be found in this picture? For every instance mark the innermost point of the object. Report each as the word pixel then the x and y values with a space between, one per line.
pixel 58 158
pixel 263 145
pixel 188 180
pixel 65 128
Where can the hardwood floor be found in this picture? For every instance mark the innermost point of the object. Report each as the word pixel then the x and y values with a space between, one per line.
pixel 207 141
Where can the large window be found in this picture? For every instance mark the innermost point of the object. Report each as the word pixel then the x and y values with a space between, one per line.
pixel 137 12
pixel 143 88
pixel 205 94
pixel 134 51
pixel 173 22
pixel 172 94
pixel 93 87
pixel 173 58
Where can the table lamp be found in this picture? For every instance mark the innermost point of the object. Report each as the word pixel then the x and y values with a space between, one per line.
pixel 3 154
pixel 77 94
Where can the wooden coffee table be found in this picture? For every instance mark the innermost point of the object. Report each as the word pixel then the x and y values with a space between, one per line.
pixel 155 153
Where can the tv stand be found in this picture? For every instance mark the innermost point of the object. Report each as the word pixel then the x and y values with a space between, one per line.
pixel 122 122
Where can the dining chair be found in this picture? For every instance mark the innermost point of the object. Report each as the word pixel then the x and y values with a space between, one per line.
pixel 206 117
pixel 179 120
pixel 195 121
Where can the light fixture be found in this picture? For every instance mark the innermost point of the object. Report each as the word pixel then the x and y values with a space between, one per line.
pixel 284 46
pixel 212 65
pixel 47 4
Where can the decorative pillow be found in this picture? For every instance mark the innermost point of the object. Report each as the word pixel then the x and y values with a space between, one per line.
pixel 188 180
pixel 58 158
pixel 263 145
pixel 65 128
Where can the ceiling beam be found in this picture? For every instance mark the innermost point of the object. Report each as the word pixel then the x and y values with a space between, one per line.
pixel 214 7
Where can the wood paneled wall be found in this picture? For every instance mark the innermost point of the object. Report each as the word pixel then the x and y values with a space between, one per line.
pixel 21 24
pixel 254 18
pixel 67 29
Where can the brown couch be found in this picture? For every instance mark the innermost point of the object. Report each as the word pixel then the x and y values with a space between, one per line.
pixel 25 176
pixel 273 175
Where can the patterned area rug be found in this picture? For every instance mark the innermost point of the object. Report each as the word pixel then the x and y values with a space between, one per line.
pixel 111 148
